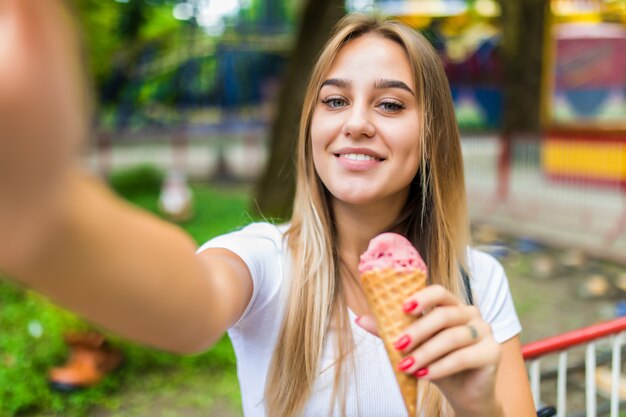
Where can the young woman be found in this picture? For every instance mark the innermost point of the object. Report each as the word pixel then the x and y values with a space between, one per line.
pixel 378 151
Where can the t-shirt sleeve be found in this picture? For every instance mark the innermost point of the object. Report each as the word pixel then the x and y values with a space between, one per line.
pixel 493 296
pixel 260 246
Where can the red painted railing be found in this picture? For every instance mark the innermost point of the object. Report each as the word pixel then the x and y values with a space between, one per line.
pixel 609 380
pixel 570 339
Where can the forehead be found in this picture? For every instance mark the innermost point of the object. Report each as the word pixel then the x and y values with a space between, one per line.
pixel 372 57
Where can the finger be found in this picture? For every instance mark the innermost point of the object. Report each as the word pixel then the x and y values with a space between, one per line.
pixel 445 343
pixel 435 321
pixel 368 323
pixel 480 355
pixel 431 296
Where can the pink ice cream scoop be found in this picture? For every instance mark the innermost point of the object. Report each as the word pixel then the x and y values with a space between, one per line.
pixel 391 250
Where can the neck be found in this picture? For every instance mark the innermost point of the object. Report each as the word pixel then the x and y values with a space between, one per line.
pixel 357 225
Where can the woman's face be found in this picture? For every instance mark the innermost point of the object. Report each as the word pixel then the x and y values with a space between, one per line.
pixel 365 125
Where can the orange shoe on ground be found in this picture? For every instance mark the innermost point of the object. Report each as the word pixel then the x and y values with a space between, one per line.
pixel 91 358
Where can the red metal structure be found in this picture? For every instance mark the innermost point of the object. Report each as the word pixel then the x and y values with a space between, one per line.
pixel 611 380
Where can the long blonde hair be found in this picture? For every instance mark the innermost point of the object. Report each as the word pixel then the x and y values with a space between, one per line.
pixel 434 219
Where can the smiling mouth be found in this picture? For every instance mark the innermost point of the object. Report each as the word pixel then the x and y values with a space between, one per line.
pixel 358 157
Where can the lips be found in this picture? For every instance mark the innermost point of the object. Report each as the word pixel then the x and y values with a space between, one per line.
pixel 358 159
pixel 359 154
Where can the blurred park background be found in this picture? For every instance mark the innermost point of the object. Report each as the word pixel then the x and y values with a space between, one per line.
pixel 197 109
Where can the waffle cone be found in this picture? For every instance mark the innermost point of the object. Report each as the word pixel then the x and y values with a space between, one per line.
pixel 386 290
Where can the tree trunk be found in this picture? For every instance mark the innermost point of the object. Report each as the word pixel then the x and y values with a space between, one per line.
pixel 522 56
pixel 275 189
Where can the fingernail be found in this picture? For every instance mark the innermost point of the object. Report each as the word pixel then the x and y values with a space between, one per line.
pixel 357 320
pixel 409 306
pixel 401 343
pixel 422 372
pixel 406 363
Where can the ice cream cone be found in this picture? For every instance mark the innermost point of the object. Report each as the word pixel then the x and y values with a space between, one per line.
pixel 391 271
pixel 386 290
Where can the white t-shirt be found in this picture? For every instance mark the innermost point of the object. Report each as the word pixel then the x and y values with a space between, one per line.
pixel 372 390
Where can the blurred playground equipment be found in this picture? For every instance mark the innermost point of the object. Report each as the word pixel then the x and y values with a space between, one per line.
pixel 194 98
pixel 584 106
pixel 566 186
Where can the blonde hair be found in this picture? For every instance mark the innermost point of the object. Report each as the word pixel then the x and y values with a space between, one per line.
pixel 434 219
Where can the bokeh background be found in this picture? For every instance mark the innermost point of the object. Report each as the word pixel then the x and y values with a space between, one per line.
pixel 196 116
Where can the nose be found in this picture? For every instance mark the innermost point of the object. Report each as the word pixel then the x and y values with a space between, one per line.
pixel 358 123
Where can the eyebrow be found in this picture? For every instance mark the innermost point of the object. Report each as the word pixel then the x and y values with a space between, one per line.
pixel 379 84
pixel 393 84
pixel 337 82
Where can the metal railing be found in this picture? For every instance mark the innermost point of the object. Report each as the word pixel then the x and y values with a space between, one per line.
pixel 613 331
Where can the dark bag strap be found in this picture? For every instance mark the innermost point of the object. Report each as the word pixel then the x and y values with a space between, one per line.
pixel 468 287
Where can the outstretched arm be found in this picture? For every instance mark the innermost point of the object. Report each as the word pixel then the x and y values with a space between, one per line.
pixel 135 274
pixel 68 236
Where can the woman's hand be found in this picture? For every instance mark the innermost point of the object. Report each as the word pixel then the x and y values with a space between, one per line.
pixel 452 346
pixel 43 115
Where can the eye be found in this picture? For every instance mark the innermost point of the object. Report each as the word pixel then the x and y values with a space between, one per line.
pixel 334 102
pixel 391 106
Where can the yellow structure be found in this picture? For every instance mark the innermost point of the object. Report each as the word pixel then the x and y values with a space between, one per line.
pixel 590 160
pixel 584 91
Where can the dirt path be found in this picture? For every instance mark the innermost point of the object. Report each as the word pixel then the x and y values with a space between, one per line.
pixel 556 290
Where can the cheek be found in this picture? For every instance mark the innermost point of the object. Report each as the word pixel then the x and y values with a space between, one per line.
pixel 410 157
pixel 317 160
pixel 321 136
pixel 316 146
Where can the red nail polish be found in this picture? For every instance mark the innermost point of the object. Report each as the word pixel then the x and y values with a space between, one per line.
pixel 402 343
pixel 422 372
pixel 405 363
pixel 409 306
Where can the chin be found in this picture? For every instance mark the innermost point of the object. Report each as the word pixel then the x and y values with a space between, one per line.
pixel 355 196
pixel 371 194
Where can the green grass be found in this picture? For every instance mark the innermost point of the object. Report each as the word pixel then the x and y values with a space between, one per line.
pixel 26 358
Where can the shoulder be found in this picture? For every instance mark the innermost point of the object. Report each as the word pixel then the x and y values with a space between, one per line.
pixel 481 263
pixel 487 276
pixel 261 246
pixel 260 236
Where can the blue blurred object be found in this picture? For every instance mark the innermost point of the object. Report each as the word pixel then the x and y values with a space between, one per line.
pixel 620 308
pixel 498 250
pixel 587 102
pixel 490 100
pixel 528 245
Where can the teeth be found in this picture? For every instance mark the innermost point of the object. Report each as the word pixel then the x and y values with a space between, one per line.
pixel 358 157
